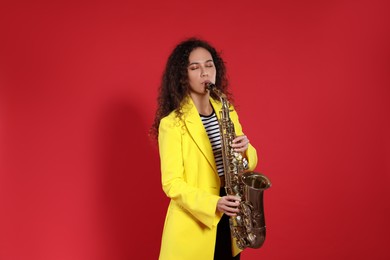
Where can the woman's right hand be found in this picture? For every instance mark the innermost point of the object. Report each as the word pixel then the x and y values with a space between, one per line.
pixel 229 205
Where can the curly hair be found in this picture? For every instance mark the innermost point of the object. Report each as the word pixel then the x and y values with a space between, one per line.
pixel 174 85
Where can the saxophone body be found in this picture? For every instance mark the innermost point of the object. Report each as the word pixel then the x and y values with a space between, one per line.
pixel 248 226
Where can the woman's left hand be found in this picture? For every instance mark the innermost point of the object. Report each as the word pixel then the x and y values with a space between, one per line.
pixel 240 143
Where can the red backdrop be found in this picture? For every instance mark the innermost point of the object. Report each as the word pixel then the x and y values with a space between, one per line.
pixel 79 177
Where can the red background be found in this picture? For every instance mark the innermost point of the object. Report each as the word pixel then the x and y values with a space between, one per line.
pixel 78 83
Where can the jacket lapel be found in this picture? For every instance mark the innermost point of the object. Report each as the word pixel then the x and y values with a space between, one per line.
pixel 198 132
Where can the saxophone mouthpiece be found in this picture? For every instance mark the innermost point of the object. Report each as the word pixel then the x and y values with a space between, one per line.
pixel 209 85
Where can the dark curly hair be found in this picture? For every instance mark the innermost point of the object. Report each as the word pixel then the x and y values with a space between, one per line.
pixel 174 85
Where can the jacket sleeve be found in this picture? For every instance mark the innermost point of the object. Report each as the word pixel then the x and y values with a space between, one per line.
pixel 251 153
pixel 201 204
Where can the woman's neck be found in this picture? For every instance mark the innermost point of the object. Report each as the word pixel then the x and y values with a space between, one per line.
pixel 202 104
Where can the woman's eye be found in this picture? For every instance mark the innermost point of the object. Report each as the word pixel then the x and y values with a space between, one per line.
pixel 193 67
pixel 209 65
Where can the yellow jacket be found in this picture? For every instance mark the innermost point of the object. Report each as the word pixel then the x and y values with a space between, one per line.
pixel 190 180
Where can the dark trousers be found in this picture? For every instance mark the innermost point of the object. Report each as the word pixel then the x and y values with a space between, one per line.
pixel 223 245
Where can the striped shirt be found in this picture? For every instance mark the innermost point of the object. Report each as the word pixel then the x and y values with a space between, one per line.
pixel 212 128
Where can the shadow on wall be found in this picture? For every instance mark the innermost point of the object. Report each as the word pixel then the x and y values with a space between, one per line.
pixel 130 202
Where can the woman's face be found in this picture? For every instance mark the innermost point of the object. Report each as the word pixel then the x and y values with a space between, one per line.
pixel 201 69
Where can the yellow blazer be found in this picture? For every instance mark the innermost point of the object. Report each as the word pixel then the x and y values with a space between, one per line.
pixel 190 180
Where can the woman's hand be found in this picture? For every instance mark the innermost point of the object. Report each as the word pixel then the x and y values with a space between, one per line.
pixel 240 143
pixel 228 205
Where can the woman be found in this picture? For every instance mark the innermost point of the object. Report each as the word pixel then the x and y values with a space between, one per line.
pixel 190 154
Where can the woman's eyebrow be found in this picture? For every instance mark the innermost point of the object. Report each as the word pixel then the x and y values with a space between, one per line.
pixel 196 62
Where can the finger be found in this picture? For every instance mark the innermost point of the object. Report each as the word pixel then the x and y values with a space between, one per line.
pixel 240 150
pixel 227 205
pixel 240 143
pixel 231 210
pixel 232 198
pixel 231 204
pixel 235 145
pixel 230 214
pixel 239 138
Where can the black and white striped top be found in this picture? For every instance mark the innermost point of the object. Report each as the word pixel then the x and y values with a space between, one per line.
pixel 212 128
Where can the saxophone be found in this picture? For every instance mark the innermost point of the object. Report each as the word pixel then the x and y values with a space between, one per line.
pixel 248 226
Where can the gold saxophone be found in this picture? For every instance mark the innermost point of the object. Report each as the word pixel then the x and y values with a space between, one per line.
pixel 248 226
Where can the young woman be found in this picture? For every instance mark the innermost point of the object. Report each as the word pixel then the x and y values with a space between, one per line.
pixel 197 221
